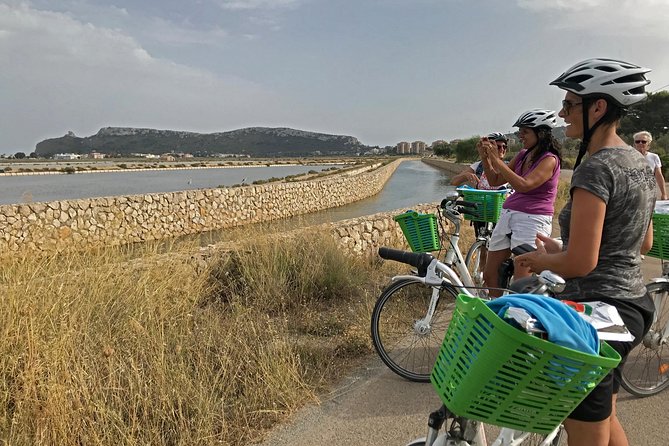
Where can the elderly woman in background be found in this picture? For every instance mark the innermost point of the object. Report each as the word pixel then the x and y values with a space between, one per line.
pixel 642 142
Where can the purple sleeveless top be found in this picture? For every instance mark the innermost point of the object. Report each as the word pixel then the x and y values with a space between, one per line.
pixel 541 199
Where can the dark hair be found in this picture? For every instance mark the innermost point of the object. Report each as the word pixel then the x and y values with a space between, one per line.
pixel 546 143
pixel 614 113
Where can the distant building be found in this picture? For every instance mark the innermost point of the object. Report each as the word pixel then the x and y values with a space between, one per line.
pixel 232 155
pixel 403 148
pixel 167 157
pixel 96 155
pixel 438 142
pixel 418 147
pixel 66 156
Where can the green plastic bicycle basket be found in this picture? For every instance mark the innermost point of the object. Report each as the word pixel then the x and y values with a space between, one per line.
pixel 490 371
pixel 489 201
pixel 660 247
pixel 420 230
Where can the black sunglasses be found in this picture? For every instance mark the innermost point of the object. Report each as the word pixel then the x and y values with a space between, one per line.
pixel 566 105
pixel 641 141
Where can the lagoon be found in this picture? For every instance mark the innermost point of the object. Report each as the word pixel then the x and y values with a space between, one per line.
pixel 38 188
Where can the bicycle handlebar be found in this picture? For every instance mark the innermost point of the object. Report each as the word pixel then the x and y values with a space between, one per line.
pixel 464 204
pixel 416 259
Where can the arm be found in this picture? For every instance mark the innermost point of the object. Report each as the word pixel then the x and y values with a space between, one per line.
pixel 466 176
pixel 648 239
pixel 660 183
pixel 582 253
pixel 538 176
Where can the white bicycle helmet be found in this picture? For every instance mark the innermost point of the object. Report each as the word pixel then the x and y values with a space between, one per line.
pixel 536 118
pixel 497 136
pixel 621 81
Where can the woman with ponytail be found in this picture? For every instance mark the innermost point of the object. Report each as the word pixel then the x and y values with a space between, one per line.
pixel 605 226
pixel 533 174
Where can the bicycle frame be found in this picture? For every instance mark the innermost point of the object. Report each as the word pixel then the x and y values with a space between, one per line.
pixel 472 433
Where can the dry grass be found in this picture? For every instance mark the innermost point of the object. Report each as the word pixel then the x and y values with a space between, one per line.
pixel 100 348
pixel 96 350
pixel 561 198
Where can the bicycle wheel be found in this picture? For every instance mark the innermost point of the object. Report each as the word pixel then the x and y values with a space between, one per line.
pixel 405 341
pixel 475 261
pixel 646 371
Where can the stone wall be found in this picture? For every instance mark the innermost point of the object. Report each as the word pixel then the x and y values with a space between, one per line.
pixel 76 224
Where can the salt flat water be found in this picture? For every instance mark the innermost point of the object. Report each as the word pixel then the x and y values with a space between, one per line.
pixel 36 188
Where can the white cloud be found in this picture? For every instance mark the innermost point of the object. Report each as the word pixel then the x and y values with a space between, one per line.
pixel 605 17
pixel 63 74
pixel 257 4
pixel 561 5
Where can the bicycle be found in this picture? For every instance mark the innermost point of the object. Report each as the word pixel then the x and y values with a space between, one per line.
pixel 533 383
pixel 411 315
pixel 646 371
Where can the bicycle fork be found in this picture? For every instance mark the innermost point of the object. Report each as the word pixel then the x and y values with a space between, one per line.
pixel 460 432
pixel 422 326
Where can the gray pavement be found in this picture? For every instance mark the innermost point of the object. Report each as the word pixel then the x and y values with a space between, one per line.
pixel 373 406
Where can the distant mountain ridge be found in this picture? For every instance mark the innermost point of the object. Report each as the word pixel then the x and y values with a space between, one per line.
pixel 254 141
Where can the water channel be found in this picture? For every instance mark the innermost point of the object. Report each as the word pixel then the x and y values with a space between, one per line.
pixel 413 182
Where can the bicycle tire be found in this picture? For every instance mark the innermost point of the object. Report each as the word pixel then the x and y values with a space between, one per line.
pixel 473 262
pixel 408 348
pixel 646 370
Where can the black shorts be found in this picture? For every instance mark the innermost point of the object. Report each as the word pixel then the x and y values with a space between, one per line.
pixel 638 317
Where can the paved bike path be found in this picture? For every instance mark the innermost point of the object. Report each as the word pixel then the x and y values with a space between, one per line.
pixel 373 406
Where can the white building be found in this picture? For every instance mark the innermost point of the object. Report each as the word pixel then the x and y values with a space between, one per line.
pixel 66 156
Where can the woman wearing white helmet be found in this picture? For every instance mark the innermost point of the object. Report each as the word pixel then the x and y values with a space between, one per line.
pixel 474 174
pixel 533 173
pixel 605 226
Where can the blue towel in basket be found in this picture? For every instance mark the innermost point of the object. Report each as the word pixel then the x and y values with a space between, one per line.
pixel 563 325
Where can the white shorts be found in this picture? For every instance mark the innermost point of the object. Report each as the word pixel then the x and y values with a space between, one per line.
pixel 515 228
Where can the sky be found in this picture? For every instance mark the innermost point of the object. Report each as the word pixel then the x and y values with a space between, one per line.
pixel 383 71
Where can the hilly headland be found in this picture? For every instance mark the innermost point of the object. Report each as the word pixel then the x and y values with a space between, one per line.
pixel 251 141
